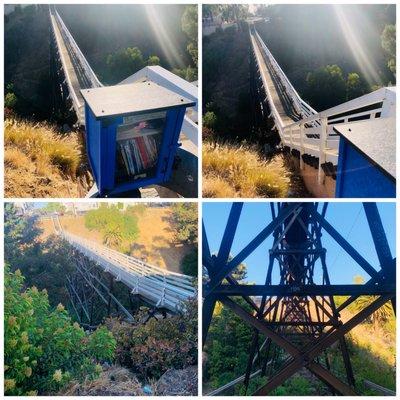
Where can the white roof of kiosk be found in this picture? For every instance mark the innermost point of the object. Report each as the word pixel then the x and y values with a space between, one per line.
pixel 376 139
pixel 133 98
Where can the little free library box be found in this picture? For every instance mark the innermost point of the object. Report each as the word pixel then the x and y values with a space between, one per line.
pixel 132 134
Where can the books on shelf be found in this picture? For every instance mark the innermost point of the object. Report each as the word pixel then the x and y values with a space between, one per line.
pixel 138 138
pixel 138 154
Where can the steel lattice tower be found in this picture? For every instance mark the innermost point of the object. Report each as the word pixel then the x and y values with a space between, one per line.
pixel 296 321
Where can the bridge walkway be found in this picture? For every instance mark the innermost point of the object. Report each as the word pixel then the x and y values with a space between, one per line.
pixel 71 74
pixel 272 83
pixel 159 287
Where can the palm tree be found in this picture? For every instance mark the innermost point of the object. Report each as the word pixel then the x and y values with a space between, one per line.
pixel 382 314
pixel 112 235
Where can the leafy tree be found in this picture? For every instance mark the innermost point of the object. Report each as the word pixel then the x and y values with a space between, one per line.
pixel 19 231
pixel 388 40
pixel 137 209
pixel 151 349
pixel 115 225
pixel 190 264
pixel 210 120
pixel 326 86
pixel 184 216
pixel 380 316
pixel 54 207
pixel 234 12
pixel 189 26
pixel 240 272
pixel 10 100
pixel 43 349
pixel 112 234
pixel 153 60
pixel 227 346
pixel 356 86
pixel 125 62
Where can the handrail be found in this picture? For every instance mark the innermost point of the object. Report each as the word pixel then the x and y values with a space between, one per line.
pixel 314 134
pixel 380 95
pixel 161 287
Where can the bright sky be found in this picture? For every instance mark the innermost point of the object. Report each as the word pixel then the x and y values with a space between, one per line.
pixel 347 218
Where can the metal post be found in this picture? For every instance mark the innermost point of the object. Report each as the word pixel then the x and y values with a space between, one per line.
pixel 322 148
pixel 301 145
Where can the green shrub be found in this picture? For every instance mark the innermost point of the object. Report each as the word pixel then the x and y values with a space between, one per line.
pixel 190 263
pixel 43 349
pixel 151 349
pixel 210 120
pixel 115 225
pixel 184 216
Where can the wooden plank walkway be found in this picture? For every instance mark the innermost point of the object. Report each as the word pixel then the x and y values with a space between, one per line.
pixel 281 102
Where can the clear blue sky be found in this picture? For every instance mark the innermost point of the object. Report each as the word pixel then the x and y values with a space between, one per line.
pixel 347 218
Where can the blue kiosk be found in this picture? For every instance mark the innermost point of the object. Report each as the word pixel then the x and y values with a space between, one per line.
pixel 367 159
pixel 132 134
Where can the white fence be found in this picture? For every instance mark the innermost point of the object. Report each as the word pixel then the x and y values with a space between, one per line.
pixel 314 134
pixel 170 81
pixel 158 286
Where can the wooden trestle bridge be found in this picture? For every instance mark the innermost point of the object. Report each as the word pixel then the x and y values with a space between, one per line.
pixel 296 320
pixel 160 289
pixel 313 137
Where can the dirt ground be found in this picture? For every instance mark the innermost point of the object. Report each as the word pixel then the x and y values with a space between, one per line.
pixel 25 182
pixel 155 244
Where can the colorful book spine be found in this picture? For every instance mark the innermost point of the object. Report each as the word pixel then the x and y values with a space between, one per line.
pixel 138 154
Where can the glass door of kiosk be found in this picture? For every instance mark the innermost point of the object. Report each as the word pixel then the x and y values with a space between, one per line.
pixel 139 140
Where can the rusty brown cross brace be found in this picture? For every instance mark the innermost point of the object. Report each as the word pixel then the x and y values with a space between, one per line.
pixel 305 357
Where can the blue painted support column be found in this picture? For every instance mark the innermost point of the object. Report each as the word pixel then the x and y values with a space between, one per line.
pixel 229 234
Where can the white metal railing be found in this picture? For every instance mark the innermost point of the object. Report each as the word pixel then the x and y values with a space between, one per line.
pixel 314 134
pixel 161 287
pixel 173 82
pixel 299 104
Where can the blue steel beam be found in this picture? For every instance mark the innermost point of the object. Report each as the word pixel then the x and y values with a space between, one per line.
pixel 379 237
pixel 304 290
pixel 229 234
pixel 223 270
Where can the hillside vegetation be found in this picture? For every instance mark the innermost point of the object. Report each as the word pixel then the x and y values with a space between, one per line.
pixel 238 171
pixel 48 352
pixel 40 161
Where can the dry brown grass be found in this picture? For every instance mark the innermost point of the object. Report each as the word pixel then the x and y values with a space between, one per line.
pixel 40 141
pixel 15 158
pixel 39 162
pixel 238 171
pixel 117 381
